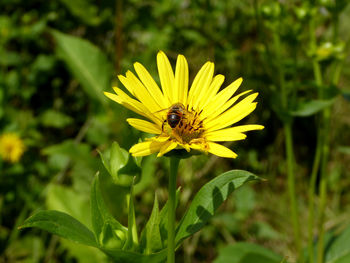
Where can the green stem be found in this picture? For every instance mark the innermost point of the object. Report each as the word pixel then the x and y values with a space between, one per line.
pixel 291 188
pixel 174 165
pixel 319 146
pixel 289 148
pixel 323 184
pixel 311 194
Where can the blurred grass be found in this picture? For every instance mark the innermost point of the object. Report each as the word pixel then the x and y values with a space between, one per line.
pixel 59 114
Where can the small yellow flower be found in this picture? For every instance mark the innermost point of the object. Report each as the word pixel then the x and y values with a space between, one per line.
pixel 194 118
pixel 11 147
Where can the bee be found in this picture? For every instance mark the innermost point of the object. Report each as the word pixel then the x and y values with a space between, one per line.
pixel 175 114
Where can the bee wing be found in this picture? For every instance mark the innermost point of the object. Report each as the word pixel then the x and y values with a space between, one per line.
pixel 161 110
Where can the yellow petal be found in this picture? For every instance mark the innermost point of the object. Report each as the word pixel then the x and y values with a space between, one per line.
pixel 217 106
pixel 228 92
pixel 146 148
pixel 233 115
pixel 213 89
pixel 198 82
pixel 137 106
pixel 130 103
pixel 231 134
pixel 236 129
pixel 203 87
pixel 144 126
pixel 223 136
pixel 166 76
pixel 131 82
pixel 167 147
pixel 150 84
pixel 220 150
pixel 181 81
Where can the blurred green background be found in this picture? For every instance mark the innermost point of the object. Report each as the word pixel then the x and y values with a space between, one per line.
pixel 57 57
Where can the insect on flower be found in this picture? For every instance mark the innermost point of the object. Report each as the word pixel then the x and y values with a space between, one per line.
pixel 175 114
pixel 196 117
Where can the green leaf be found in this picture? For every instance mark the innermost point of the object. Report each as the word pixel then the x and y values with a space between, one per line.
pixel 151 240
pixel 122 256
pixel 108 231
pixel 339 250
pixel 87 63
pixel 208 199
pixel 118 158
pixel 67 200
pixel 55 119
pixel 344 149
pixel 82 253
pixel 77 152
pixel 132 239
pixel 120 165
pixel 309 108
pixel 84 10
pixel 63 225
pixel 242 252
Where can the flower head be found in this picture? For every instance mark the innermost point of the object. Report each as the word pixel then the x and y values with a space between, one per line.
pixel 195 118
pixel 11 147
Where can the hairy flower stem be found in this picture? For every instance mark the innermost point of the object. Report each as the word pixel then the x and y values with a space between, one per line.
pixel 174 165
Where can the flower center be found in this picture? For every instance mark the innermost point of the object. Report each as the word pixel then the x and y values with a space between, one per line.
pixel 184 125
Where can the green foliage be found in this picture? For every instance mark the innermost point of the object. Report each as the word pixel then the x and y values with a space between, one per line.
pixel 121 243
pixel 208 199
pixel 56 60
pixel 312 107
pixel 108 232
pixel 86 62
pixel 61 224
pixel 120 165
pixel 339 251
pixel 246 253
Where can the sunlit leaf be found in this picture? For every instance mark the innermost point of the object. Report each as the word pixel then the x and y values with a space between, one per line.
pixel 66 199
pixel 150 238
pixel 208 199
pixel 86 62
pixel 63 225
pixel 108 231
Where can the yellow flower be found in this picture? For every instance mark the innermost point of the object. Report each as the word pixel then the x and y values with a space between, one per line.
pixel 11 147
pixel 194 118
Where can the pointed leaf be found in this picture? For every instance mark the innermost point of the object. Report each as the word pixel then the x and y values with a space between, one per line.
pixel 151 239
pixel 208 199
pixel 87 63
pixel 108 231
pixel 309 108
pixel 132 239
pixel 118 158
pixel 63 225
pixel 339 250
pixel 123 256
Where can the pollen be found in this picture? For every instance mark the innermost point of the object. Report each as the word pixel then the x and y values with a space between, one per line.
pixel 189 129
